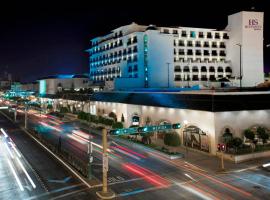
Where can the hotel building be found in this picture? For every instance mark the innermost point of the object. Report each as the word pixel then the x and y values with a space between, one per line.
pixel 136 56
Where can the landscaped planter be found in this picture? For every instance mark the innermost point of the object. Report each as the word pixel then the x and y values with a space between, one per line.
pixel 246 157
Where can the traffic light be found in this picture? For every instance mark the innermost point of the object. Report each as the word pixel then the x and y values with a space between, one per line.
pixel 176 126
pixel 142 129
pixel 218 147
pixel 223 147
pixel 114 132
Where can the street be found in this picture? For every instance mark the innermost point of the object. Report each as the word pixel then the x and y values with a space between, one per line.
pixel 136 173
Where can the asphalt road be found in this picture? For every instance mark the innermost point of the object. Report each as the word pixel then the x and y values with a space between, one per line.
pixel 136 173
pixel 52 180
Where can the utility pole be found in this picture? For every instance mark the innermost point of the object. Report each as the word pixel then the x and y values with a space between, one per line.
pixel 240 46
pixel 105 193
pixel 90 157
pixel 168 64
pixel 25 117
pixel 15 115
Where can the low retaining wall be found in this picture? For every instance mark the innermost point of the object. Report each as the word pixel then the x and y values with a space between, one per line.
pixel 246 157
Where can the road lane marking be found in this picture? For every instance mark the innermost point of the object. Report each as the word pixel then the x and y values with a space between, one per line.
pixel 15 175
pixel 26 173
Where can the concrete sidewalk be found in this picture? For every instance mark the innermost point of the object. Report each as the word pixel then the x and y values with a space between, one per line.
pixel 212 163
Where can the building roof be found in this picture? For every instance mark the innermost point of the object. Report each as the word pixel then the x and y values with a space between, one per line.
pixel 64 76
pixel 213 102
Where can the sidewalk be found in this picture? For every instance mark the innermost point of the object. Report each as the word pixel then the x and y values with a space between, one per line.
pixel 212 163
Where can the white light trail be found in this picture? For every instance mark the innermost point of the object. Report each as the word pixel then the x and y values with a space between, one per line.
pixel 15 175
pixel 14 148
pixel 4 132
pixel 26 173
pixel 8 149
pixel 190 177
pixel 266 165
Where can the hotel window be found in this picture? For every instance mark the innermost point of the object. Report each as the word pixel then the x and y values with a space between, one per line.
pixel 222 53
pixel 212 78
pixel 198 44
pixel 198 52
pixel 186 69
pixel 181 43
pixel 206 44
pixel 134 40
pixel 135 75
pixel 166 31
pixel 225 36
pixel 181 52
pixel 211 69
pixel 135 50
pixel 175 31
pixel 129 41
pixel 220 69
pixel 214 45
pixel 203 78
pixel 217 35
pixel 174 42
pixel 135 68
pixel 214 53
pixel 201 35
pixel 195 69
pixel 120 34
pixel 189 52
pixel 228 70
pixel 206 52
pixel 177 78
pixel 129 69
pixel 189 44
pixel 184 34
pixel 195 78
pixel 177 69
pixel 222 45
pixel 192 34
pixel 209 35
pixel 203 69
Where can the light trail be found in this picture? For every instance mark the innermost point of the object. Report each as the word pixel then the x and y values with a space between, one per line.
pixel 14 148
pixel 8 149
pixel 4 132
pixel 26 173
pixel 15 175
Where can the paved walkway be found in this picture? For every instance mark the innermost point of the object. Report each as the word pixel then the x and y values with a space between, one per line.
pixel 212 163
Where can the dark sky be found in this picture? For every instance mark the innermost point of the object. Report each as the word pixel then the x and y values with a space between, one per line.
pixel 39 38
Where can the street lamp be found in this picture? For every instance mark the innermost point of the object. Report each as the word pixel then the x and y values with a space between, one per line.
pixel 240 45
pixel 185 125
pixel 168 64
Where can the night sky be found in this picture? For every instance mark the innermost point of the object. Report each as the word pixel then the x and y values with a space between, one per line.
pixel 42 38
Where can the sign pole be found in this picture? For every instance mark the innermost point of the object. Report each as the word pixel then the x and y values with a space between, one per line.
pixel 105 193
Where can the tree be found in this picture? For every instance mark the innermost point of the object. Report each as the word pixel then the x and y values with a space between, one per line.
pixel 249 134
pixel 113 115
pixel 49 106
pixel 262 134
pixel 117 125
pixel 237 142
pixel 122 118
pixel 227 136
pixel 172 139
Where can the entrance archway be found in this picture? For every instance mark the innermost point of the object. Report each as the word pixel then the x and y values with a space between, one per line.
pixel 195 138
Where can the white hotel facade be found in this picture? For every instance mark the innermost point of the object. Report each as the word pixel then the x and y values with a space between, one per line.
pixel 136 56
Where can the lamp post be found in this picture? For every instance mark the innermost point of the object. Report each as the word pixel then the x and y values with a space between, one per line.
pixel 240 48
pixel 185 126
pixel 168 64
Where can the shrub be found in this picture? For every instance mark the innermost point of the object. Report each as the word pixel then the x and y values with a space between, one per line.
pixel 172 139
pixel 249 134
pixel 122 118
pixel 49 106
pixel 64 110
pixel 117 125
pixel 113 115
pixel 262 134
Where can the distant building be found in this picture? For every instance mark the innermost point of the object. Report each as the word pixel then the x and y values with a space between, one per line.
pixel 136 56
pixel 60 83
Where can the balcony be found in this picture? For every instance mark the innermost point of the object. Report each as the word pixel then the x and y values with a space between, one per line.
pixel 225 36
